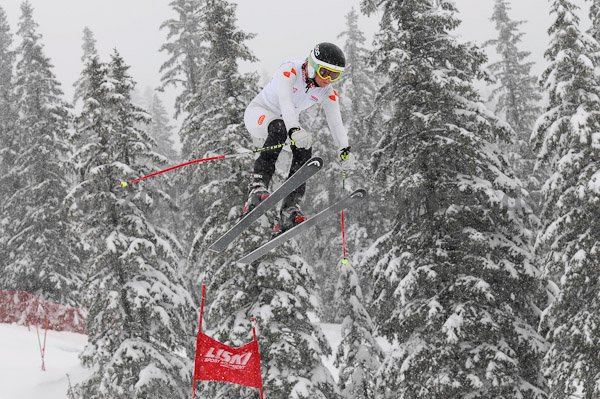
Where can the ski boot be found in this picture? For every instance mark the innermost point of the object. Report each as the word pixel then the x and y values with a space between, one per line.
pixel 290 217
pixel 257 192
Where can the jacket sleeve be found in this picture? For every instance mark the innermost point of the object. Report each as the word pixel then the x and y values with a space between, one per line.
pixel 285 89
pixel 331 106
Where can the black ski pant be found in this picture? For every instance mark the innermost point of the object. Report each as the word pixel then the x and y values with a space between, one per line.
pixel 265 164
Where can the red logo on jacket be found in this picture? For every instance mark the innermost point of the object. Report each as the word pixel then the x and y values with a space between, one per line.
pixel 287 74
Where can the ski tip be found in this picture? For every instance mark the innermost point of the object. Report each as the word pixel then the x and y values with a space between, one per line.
pixel 360 193
pixel 316 161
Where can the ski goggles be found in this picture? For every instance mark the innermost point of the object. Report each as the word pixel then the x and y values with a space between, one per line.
pixel 325 72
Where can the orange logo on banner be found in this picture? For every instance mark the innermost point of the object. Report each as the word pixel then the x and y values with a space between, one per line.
pixel 261 120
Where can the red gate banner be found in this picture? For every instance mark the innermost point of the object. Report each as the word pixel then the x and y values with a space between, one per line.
pixel 216 361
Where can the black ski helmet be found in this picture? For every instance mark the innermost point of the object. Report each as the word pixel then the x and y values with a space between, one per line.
pixel 325 54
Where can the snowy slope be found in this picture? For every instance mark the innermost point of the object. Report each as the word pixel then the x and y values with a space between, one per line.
pixel 21 376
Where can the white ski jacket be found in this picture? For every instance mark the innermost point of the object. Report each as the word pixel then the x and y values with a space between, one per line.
pixel 286 95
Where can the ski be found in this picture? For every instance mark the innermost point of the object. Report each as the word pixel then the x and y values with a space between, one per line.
pixel 333 209
pixel 307 170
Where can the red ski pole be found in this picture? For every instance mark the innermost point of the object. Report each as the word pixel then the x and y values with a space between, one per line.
pixel 239 154
pixel 344 259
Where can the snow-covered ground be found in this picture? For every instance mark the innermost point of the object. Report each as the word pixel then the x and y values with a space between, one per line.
pixel 21 376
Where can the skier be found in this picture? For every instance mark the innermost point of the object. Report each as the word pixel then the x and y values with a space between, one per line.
pixel 273 115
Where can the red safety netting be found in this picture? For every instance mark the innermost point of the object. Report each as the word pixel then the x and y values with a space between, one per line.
pixel 28 310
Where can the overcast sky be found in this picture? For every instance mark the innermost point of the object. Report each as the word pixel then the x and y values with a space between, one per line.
pixel 285 30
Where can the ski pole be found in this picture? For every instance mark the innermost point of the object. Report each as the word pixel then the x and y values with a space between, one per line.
pixel 239 154
pixel 344 259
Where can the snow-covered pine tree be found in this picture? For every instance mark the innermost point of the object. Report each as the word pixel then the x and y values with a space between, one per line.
pixel 517 98
pixel 7 102
pixel 76 234
pixel 357 89
pixel 360 85
pixel 8 118
pixel 594 12
pixel 143 98
pixel 567 137
pixel 214 124
pixel 141 317
pixel 166 213
pixel 278 290
pixel 455 285
pixel 80 89
pixel 39 261
pixel 359 355
pixel 186 52
pixel 322 247
pixel 160 128
pixel 89 52
pixel 516 93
